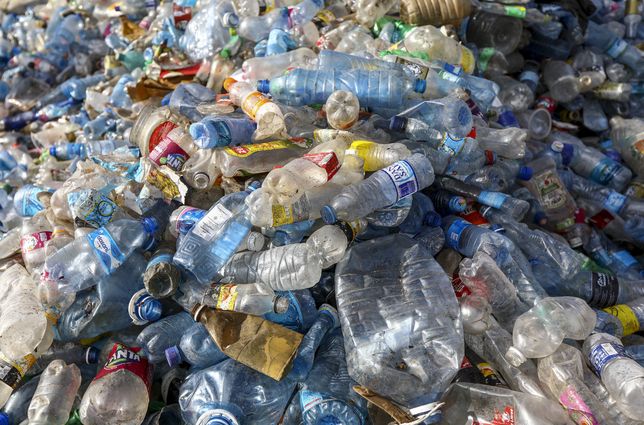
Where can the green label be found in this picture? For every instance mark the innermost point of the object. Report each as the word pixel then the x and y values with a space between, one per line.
pixel 515 11
pixel 484 57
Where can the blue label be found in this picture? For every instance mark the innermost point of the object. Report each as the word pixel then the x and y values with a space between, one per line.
pixel 529 76
pixel 403 177
pixel 602 354
pixel 161 258
pixel 625 258
pixel 604 171
pixel 450 145
pixel 91 208
pixel 615 202
pixel 453 69
pixel 188 218
pixel 454 233
pixel 27 202
pixel 492 199
pixel 617 48
pixel 106 249
pixel 309 399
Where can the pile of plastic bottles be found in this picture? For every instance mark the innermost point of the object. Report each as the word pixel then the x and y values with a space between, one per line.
pixel 321 212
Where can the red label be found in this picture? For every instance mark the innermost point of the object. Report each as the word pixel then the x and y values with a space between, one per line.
pixel 188 71
pixel 472 134
pixel 601 219
pixel 125 358
pixel 167 152
pixel 474 217
pixel 547 103
pixel 459 287
pixel 505 418
pixel 159 133
pixel 465 363
pixel 34 241
pixel 325 160
pixel 490 157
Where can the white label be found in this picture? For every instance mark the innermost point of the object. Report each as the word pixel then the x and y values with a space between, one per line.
pixel 208 227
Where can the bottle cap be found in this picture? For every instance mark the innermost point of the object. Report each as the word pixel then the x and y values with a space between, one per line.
pixel 420 86
pixel 255 241
pixel 332 312
pixel 217 417
pixel 230 20
pixel 228 83
pixel 567 153
pixel 91 355
pixel 457 204
pixel 4 419
pixel 173 356
pixel 263 86
pixel 432 219
pixel 254 185
pixel 328 214
pixel 52 150
pixel 397 123
pixel 143 308
pixel 525 173
pixel 281 305
pixel 166 99
pixel 556 146
pixel 540 218
pixel 150 224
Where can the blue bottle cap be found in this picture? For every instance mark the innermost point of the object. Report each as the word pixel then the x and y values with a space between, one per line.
pixel 218 416
pixel 457 204
pixel 150 224
pixel 91 355
pixel 397 123
pixel 263 86
pixel 143 308
pixel 432 219
pixel 525 173
pixel 254 185
pixel 4 419
pixel 328 214
pixel 566 153
pixel 52 150
pixel 540 218
pixel 166 99
pixel 420 86
pixel 173 356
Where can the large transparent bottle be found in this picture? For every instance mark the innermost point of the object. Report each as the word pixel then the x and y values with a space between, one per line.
pixel 55 395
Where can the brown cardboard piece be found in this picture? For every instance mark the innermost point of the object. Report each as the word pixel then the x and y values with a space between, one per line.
pixel 251 340
pixel 400 415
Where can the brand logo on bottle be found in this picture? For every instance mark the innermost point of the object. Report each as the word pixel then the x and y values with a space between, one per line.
pixel 500 418
pixel 125 358
pixel 121 356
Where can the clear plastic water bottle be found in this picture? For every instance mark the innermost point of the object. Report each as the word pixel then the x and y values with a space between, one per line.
pixel 382 188
pixel 448 114
pixel 162 334
pixel 622 376
pixel 80 264
pixel 196 348
pixel 220 131
pixel 208 246
pixel 539 331
pixel 55 394
pixel 365 316
pixel 604 39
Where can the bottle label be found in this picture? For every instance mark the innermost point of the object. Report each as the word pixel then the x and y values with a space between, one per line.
pixel 30 204
pixel 225 296
pixel 310 399
pixel 467 60
pixel 530 76
pixel 551 192
pixel 158 259
pixel 328 161
pixel 604 290
pixel 454 233
pixel 562 225
pixel 416 69
pixel 169 153
pixel 106 249
pixel 11 373
pixel 245 151
pixel 283 215
pixel 577 409
pixel 208 227
pixel 325 16
pixel 91 208
pixel 492 199
pixel 362 148
pixel 507 417
pixel 403 177
pixel 601 219
pixel 615 202
pixel 159 134
pixel 617 48
pixel 484 57
pixel 451 145
pixel 34 241
pixel 187 219
pixel 602 354
pixel 604 171
pixel 627 316
pixel 625 258
pixel 515 11
pixel 486 370
pixel 251 103
pixel 125 358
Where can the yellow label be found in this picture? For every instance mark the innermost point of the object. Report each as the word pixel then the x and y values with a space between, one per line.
pixel 22 365
pixel 251 103
pixel 227 297
pixel 326 16
pixel 626 316
pixel 365 150
pixel 486 369
pixel 244 151
pixel 467 60
pixel 282 215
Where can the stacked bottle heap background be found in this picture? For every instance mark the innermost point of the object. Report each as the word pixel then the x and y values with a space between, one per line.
pixel 316 212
